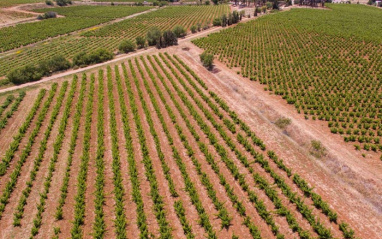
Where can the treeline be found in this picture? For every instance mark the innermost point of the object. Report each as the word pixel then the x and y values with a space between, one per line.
pixel 154 37
pixel 33 72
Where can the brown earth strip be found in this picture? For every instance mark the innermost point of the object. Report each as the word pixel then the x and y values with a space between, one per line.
pixel 48 218
pixel 259 109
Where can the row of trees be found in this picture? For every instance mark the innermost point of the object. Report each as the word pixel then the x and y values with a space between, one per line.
pixel 57 63
pixel 154 37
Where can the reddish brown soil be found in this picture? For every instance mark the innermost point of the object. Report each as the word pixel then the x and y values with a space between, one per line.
pixel 153 226
pixel 54 191
pixel 251 211
pixel 7 220
pixel 91 176
pixel 162 182
pixel 304 223
pixel 349 183
pixel 283 224
pixel 68 210
pixel 109 207
pixel 191 212
pixel 31 207
pixel 132 230
pixel 341 178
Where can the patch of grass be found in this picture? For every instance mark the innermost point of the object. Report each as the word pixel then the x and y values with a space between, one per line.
pixel 317 149
pixel 283 122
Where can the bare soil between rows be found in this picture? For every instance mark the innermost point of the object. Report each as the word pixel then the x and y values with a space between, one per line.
pixel 346 180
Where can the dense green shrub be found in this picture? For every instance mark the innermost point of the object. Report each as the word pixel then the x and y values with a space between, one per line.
pixel 179 31
pixel 207 59
pixel 80 59
pixel 47 15
pixel 224 20
pixel 56 63
pixel 96 56
pixel 194 28
pixel 36 72
pixel 63 2
pixel 217 22
pixel 169 38
pixel 153 36
pixel 127 46
pixel 140 41
pixel 24 74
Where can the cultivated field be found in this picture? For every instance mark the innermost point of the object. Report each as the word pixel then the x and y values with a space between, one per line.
pixel 145 149
pixel 327 63
pixel 76 18
pixel 154 144
pixel 96 37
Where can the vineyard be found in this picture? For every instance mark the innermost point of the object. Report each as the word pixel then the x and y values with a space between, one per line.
pixel 164 19
pixel 7 3
pixel 327 64
pixel 111 36
pixel 145 149
pixel 76 18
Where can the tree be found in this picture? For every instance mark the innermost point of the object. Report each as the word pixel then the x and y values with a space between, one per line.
pixel 224 20
pixel 216 2
pixel 242 14
pixel 141 42
pixel 235 17
pixel 97 56
pixel 24 74
pixel 217 22
pixel 275 5
pixel 179 31
pixel 54 64
pixel 63 2
pixel 169 38
pixel 194 28
pixel 207 59
pixel 229 19
pixel 153 36
pixel 100 55
pixel 127 46
pixel 80 59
